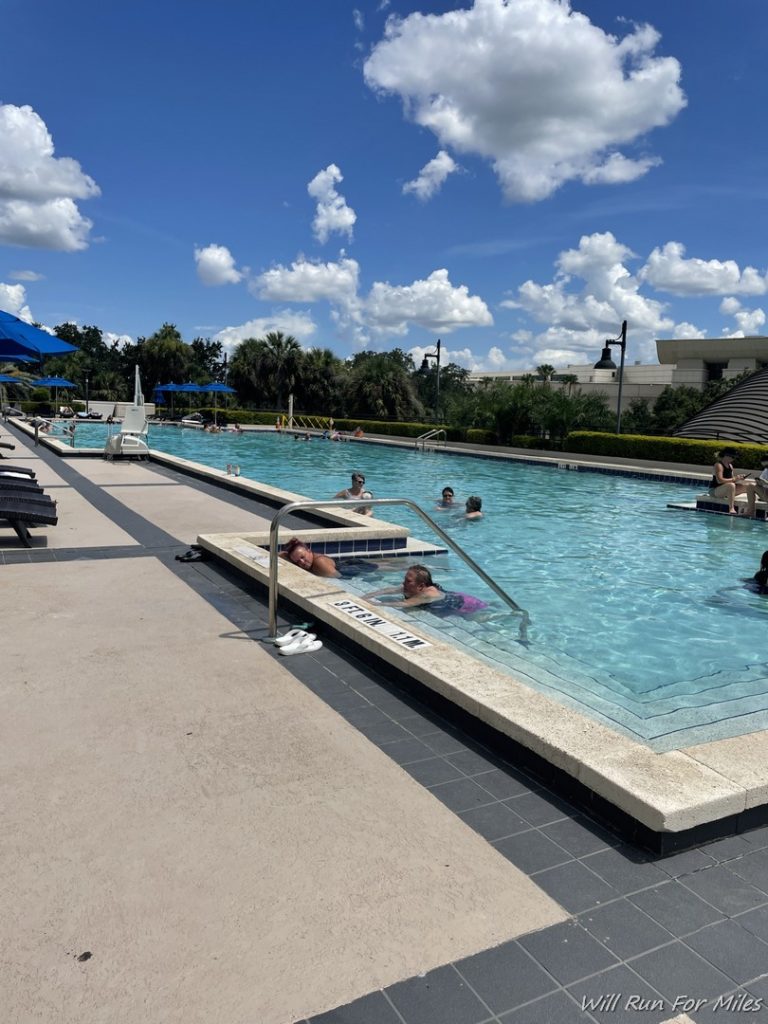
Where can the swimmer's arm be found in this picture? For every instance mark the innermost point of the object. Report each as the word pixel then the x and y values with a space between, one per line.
pixel 385 590
pixel 414 602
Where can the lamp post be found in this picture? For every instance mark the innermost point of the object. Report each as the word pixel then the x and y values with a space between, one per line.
pixel 425 366
pixel 606 363
pixel 87 379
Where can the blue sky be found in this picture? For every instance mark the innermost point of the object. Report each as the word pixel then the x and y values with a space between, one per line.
pixel 515 177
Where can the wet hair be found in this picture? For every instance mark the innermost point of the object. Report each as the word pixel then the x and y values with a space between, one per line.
pixel 474 504
pixel 764 561
pixel 358 476
pixel 291 546
pixel 726 451
pixel 422 575
pixel 448 490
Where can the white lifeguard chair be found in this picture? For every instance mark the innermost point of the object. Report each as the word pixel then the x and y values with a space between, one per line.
pixel 131 440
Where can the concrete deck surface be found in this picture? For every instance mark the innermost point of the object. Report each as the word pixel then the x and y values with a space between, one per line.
pixel 222 842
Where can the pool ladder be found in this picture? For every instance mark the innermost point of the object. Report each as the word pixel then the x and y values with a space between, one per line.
pixel 432 437
pixel 301 506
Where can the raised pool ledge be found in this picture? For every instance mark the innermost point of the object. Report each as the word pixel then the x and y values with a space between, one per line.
pixel 664 801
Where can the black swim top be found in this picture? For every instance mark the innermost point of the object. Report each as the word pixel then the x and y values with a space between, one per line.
pixel 727 475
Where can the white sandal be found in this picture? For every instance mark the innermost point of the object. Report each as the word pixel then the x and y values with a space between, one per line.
pixel 304 645
pixel 291 637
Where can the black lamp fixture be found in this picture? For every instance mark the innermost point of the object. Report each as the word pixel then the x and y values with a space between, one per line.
pixel 87 375
pixel 606 363
pixel 425 366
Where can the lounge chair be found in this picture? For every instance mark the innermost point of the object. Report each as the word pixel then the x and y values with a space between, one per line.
pixel 8 470
pixel 10 447
pixel 22 514
pixel 19 483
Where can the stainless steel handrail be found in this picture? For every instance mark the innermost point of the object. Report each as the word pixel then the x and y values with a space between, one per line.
pixel 296 506
pixel 430 435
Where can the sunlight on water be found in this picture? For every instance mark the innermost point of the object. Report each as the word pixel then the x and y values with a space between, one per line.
pixel 638 613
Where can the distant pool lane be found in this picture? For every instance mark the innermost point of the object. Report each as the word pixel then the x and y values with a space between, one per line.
pixel 638 614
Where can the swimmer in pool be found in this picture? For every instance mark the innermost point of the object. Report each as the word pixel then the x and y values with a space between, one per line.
pixel 759 582
pixel 299 554
pixel 473 508
pixel 419 589
pixel 446 499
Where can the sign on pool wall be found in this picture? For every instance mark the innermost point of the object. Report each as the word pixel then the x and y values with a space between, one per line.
pixel 388 629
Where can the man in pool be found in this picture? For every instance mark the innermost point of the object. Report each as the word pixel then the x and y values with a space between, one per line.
pixel 419 589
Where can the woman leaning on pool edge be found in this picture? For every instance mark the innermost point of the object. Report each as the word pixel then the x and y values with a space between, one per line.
pixel 725 485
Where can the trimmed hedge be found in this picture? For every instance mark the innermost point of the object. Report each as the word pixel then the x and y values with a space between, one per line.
pixel 661 449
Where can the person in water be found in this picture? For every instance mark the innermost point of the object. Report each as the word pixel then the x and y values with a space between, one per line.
pixel 418 588
pixel 473 508
pixel 356 491
pixel 725 485
pixel 300 554
pixel 759 581
pixel 446 499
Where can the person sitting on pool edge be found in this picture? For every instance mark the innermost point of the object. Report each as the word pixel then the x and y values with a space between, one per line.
pixel 418 589
pixel 473 508
pixel 725 485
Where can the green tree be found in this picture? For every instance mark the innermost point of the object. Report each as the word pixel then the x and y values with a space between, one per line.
pixel 319 383
pixel 380 385
pixel 163 357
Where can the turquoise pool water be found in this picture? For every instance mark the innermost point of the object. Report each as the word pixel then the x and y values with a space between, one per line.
pixel 638 614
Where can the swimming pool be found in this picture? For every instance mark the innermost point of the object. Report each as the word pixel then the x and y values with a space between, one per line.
pixel 638 614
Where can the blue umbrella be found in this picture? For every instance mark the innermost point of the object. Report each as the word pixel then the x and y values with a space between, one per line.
pixel 6 378
pixel 190 388
pixel 55 383
pixel 217 389
pixel 18 338
pixel 168 387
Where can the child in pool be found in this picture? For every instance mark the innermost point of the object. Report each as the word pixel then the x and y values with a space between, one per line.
pixel 419 589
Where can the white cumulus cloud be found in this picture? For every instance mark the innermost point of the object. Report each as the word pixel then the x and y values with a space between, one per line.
pixel 332 213
pixel 300 325
pixel 37 189
pixel 216 266
pixel 308 281
pixel 433 303
pixel 581 317
pixel 13 299
pixel 531 86
pixel 431 176
pixel 669 271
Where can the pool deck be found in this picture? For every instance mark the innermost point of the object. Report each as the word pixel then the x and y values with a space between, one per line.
pixel 235 836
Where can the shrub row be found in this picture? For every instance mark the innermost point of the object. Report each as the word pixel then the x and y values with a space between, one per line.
pixel 660 449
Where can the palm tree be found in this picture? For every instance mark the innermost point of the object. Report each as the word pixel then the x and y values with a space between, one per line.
pixel 319 382
pixel 282 354
pixel 381 386
pixel 545 372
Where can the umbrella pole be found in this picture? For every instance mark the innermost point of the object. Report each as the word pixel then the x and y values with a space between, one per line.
pixel 215 409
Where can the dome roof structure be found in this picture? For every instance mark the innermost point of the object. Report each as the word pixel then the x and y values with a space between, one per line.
pixel 741 414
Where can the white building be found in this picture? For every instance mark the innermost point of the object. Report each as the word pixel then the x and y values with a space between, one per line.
pixel 683 361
